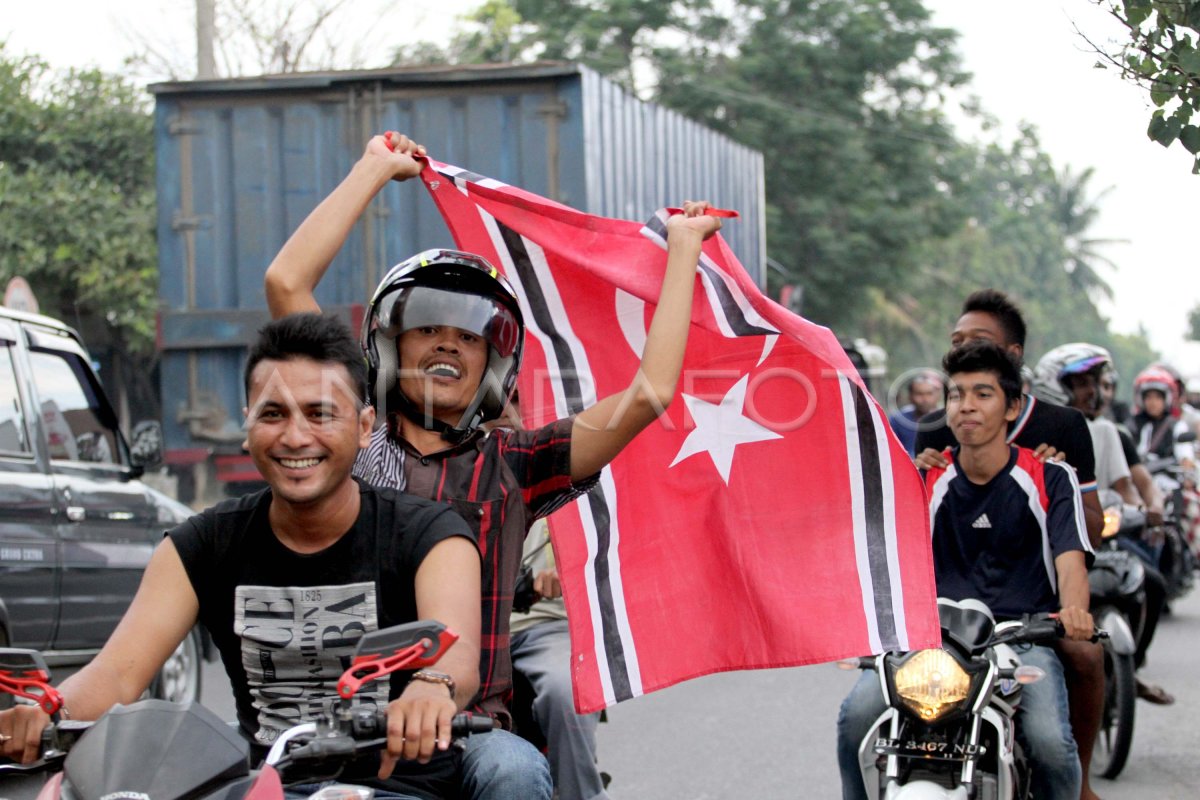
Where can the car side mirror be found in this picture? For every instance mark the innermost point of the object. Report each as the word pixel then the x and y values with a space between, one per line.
pixel 146 449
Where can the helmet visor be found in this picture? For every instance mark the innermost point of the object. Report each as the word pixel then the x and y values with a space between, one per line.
pixel 421 306
pixel 1082 365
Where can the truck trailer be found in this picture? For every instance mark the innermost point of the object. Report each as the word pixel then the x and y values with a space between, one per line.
pixel 241 162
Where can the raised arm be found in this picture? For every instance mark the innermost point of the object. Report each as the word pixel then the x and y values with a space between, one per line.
pixel 293 276
pixel 600 432
pixel 161 614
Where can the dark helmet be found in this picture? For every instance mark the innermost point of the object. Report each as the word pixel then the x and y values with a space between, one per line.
pixel 1054 368
pixel 445 288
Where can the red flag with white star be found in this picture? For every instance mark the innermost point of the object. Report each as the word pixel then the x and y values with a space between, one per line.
pixel 768 519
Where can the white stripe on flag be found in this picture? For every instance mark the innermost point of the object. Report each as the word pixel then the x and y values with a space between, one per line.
pixel 858 513
pixel 583 369
pixel 883 444
pixel 748 311
pixel 587 390
pixel 714 300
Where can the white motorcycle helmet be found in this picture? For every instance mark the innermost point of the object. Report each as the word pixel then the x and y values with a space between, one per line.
pixel 1052 370
pixel 444 288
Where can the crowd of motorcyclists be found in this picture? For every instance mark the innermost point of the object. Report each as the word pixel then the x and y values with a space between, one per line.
pixel 1015 480
pixel 1141 459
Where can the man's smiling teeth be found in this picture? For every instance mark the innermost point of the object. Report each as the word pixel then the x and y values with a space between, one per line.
pixel 299 463
pixel 443 370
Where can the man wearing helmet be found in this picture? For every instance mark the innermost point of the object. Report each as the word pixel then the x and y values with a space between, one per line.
pixel 1071 374
pixel 443 337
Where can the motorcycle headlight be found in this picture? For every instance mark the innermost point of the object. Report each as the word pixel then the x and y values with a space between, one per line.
pixel 931 684
pixel 1112 522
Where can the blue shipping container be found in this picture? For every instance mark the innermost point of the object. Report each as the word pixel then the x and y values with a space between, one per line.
pixel 241 162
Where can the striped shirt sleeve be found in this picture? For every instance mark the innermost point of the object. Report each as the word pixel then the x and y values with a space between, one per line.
pixel 1065 524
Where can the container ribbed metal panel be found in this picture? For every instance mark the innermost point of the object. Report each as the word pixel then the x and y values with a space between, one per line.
pixel 242 162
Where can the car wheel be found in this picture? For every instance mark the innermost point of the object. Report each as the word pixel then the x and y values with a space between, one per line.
pixel 179 678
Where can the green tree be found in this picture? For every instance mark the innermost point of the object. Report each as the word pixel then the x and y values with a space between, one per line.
pixel 845 101
pixel 492 33
pixel 1193 320
pixel 875 206
pixel 77 210
pixel 1076 211
pixel 1162 53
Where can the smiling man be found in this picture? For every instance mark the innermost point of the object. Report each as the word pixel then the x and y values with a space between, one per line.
pixel 287 580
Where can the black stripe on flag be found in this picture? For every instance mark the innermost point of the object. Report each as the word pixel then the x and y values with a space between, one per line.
pixel 876 535
pixel 464 175
pixel 730 309
pixel 614 650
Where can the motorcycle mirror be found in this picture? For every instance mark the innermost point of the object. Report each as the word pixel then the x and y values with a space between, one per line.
pixel 1027 674
pixel 385 642
pixel 23 673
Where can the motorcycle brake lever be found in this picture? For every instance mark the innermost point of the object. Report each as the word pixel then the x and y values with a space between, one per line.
pixel 366 669
pixel 32 685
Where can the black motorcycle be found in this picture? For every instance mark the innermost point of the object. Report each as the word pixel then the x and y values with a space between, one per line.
pixel 1175 558
pixel 170 751
pixel 1118 603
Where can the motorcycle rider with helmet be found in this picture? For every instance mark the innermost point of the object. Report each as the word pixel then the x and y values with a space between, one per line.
pixel 1071 375
pixel 443 336
pixel 1156 422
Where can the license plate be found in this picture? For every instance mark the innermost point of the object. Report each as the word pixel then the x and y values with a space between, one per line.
pixel 940 751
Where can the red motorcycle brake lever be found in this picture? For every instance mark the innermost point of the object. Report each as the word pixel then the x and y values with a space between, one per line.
pixel 365 669
pixel 46 696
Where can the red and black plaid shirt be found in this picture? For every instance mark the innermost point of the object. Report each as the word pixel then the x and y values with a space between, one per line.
pixel 499 482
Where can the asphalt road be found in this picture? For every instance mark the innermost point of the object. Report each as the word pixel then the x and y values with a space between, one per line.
pixel 770 734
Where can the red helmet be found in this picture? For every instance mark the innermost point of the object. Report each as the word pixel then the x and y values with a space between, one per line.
pixel 1155 378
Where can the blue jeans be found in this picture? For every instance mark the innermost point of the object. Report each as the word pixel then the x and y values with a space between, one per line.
pixel 1043 729
pixel 502 766
pixel 542 653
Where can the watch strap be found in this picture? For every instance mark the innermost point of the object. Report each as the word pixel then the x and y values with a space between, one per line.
pixel 432 676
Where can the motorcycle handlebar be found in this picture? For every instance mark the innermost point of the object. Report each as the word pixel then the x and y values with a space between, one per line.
pixel 1042 629
pixel 374 724
pixel 367 733
pixel 57 740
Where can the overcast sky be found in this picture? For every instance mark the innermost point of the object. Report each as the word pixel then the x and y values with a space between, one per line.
pixel 1028 61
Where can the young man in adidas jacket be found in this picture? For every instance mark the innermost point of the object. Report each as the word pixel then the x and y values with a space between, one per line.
pixel 1008 529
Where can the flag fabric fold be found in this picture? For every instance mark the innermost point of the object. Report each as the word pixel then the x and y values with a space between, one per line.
pixel 768 519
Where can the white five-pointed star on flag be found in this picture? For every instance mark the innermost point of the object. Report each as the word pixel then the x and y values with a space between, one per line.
pixel 721 428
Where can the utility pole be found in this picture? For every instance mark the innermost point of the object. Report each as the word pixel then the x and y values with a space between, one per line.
pixel 206 64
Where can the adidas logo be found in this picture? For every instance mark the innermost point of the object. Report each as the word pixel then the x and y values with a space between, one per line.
pixel 982 522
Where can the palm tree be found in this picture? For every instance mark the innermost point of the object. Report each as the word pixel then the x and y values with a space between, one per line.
pixel 1075 213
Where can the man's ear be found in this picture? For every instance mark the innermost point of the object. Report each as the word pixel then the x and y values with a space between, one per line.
pixel 366 422
pixel 1014 409
pixel 246 427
